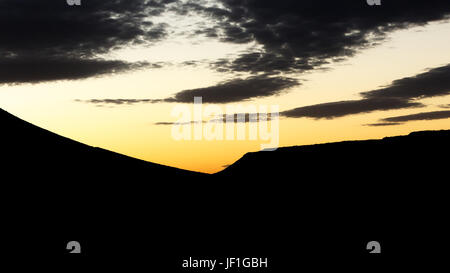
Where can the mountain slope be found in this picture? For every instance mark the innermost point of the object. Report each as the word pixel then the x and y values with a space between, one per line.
pixel 29 149
pixel 50 178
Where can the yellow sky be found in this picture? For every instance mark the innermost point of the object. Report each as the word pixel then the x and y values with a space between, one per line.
pixel 130 129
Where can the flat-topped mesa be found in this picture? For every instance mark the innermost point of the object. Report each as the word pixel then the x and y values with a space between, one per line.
pixel 389 157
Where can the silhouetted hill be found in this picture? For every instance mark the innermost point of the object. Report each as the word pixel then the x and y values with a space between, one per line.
pixel 36 151
pixel 54 185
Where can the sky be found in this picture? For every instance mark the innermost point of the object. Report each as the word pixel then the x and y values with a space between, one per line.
pixel 111 74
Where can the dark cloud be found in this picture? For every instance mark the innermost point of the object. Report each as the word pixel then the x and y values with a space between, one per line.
pixel 177 123
pixel 293 35
pixel 344 108
pixel 35 70
pixel 54 28
pixel 237 90
pixel 434 82
pixel 116 101
pixel 230 91
pixel 445 106
pixel 401 93
pixel 67 40
pixel 301 35
pixel 234 118
pixel 419 116
pixel 380 124
pixel 265 62
pixel 165 123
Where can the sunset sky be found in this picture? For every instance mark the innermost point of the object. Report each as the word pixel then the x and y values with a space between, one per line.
pixel 109 73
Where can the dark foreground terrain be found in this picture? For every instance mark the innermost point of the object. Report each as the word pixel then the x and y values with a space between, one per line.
pixel 307 207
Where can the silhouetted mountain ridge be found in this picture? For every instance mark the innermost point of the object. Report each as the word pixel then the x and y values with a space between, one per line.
pixel 423 147
pixel 29 146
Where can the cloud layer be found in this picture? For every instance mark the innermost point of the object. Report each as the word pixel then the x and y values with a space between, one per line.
pixel 401 93
pixel 398 120
pixel 35 70
pixel 432 83
pixel 344 108
pixel 50 40
pixel 301 35
pixel 235 90
pixel 419 116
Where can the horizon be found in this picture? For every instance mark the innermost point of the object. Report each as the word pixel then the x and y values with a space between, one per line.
pixel 337 71
pixel 284 147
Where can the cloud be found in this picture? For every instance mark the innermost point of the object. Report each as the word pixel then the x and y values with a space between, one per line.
pixel 384 124
pixel 235 90
pixel 67 40
pixel 294 36
pixel 115 101
pixel 344 108
pixel 432 83
pixel 177 123
pixel 419 116
pixel 291 36
pixel 401 93
pixel 234 118
pixel 35 70
pixel 445 106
